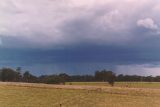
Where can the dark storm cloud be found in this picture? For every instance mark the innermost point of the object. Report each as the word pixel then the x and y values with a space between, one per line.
pixel 89 35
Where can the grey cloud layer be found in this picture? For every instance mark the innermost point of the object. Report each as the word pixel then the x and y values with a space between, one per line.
pixel 44 23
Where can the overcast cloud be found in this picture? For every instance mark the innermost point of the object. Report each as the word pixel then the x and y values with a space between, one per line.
pixel 127 29
pixel 45 23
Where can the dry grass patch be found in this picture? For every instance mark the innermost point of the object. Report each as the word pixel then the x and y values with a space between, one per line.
pixel 41 95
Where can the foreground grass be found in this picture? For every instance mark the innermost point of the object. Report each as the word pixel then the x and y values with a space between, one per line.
pixel 39 95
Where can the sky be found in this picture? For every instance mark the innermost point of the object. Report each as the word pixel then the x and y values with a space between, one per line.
pixel 80 37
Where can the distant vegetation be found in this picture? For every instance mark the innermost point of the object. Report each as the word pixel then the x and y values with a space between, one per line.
pixel 11 75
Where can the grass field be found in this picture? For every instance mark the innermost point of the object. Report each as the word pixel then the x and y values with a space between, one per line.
pixel 120 84
pixel 79 95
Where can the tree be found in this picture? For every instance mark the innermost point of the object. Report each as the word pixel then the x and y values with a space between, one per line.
pixel 111 78
pixel 104 75
pixel 18 70
pixel 8 74
pixel 27 77
pixel 64 77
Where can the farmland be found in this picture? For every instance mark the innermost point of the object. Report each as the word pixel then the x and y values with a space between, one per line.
pixel 91 94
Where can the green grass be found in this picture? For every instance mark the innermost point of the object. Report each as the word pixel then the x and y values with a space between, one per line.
pixel 35 96
pixel 88 83
pixel 120 84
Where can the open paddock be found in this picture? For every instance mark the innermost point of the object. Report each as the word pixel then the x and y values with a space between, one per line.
pixel 43 95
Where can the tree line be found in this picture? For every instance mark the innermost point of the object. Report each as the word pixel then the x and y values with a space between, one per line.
pixel 17 75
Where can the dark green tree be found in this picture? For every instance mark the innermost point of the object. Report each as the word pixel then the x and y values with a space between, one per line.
pixel 104 75
pixel 27 77
pixel 8 74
